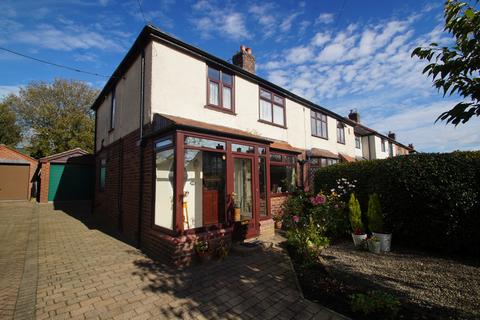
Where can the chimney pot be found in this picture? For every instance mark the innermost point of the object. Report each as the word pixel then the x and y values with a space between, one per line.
pixel 354 115
pixel 391 135
pixel 245 59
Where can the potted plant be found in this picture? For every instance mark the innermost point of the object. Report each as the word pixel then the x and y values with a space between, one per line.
pixel 373 244
pixel 375 223
pixel 355 215
pixel 202 248
pixel 278 218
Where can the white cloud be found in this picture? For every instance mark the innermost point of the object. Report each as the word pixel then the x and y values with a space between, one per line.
pixel 320 39
pixel 325 18
pixel 48 36
pixel 225 21
pixel 299 55
pixel 6 90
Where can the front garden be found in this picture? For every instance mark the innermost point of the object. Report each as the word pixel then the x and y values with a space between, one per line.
pixel 394 238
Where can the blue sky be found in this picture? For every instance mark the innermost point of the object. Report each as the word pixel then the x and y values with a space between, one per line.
pixel 339 54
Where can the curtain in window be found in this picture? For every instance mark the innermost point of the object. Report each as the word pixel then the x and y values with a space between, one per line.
pixel 265 110
pixel 278 115
pixel 227 98
pixel 213 94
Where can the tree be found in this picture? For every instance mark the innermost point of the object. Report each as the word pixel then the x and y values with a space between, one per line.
pixel 457 68
pixel 55 117
pixel 9 129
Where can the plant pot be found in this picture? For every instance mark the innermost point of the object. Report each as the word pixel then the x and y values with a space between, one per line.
pixel 278 224
pixel 359 240
pixel 385 240
pixel 374 246
pixel 236 215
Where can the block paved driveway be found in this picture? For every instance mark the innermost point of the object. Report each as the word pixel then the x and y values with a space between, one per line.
pixel 55 265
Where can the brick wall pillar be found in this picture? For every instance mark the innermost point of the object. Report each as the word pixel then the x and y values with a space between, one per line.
pixel 45 178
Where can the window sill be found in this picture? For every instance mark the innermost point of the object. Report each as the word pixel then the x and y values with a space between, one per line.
pixel 324 138
pixel 272 124
pixel 282 194
pixel 341 142
pixel 220 109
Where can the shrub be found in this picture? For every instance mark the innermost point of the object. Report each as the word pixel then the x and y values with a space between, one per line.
pixel 307 241
pixel 375 305
pixel 355 214
pixel 374 214
pixel 428 200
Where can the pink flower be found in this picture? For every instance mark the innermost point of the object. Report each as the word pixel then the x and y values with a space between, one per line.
pixel 296 219
pixel 318 199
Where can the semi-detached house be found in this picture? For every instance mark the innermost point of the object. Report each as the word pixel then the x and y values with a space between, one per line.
pixel 182 138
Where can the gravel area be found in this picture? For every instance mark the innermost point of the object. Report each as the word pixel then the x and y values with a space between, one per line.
pixel 435 287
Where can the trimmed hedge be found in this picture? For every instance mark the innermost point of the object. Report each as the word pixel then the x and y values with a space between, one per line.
pixel 429 200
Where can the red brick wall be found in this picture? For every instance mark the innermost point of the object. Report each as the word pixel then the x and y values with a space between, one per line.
pixel 44 181
pixel 276 204
pixel 7 153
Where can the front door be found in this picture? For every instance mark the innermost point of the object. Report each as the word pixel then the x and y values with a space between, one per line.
pixel 245 196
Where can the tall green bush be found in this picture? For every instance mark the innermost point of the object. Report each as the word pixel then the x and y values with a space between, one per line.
pixel 428 199
pixel 355 213
pixel 374 214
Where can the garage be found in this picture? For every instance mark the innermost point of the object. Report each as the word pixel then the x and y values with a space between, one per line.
pixel 16 174
pixel 70 182
pixel 67 176
pixel 14 181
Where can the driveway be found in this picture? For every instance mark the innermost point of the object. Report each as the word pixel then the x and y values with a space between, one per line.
pixel 55 264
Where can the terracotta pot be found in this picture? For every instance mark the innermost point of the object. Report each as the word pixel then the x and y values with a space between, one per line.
pixel 236 215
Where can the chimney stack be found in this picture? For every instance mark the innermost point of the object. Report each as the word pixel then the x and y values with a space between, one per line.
pixel 391 135
pixel 354 115
pixel 244 59
pixel 410 145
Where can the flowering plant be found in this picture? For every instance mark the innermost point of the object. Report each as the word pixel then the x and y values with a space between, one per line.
pixel 318 199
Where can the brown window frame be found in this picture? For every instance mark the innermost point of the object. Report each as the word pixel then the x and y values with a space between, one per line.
pixel 315 115
pixel 282 163
pixel 221 84
pixel 272 103
pixel 340 125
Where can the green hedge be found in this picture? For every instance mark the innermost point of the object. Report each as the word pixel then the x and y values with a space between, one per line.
pixel 429 200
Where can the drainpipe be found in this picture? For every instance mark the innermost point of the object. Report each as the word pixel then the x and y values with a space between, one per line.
pixel 141 145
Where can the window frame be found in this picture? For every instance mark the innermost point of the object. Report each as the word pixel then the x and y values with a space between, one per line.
pixel 316 115
pixel 272 103
pixel 340 125
pixel 282 163
pixel 382 145
pixel 103 165
pixel 358 142
pixel 220 84
pixel 113 108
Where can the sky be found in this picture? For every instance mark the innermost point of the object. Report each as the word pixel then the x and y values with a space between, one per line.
pixel 340 54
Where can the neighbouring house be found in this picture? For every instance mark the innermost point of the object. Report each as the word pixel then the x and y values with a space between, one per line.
pixel 67 176
pixel 17 172
pixel 182 138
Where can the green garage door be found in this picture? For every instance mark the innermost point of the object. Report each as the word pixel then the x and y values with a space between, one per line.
pixel 70 182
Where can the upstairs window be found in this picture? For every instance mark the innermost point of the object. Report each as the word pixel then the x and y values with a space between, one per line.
pixel 358 143
pixel 383 145
pixel 220 90
pixel 113 109
pixel 340 132
pixel 319 124
pixel 272 108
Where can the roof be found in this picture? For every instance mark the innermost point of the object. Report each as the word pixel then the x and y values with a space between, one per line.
pixel 21 155
pixel 150 32
pixel 65 155
pixel 163 121
pixel 346 158
pixel 366 131
pixel 11 161
pixel 283 145
pixel 316 152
